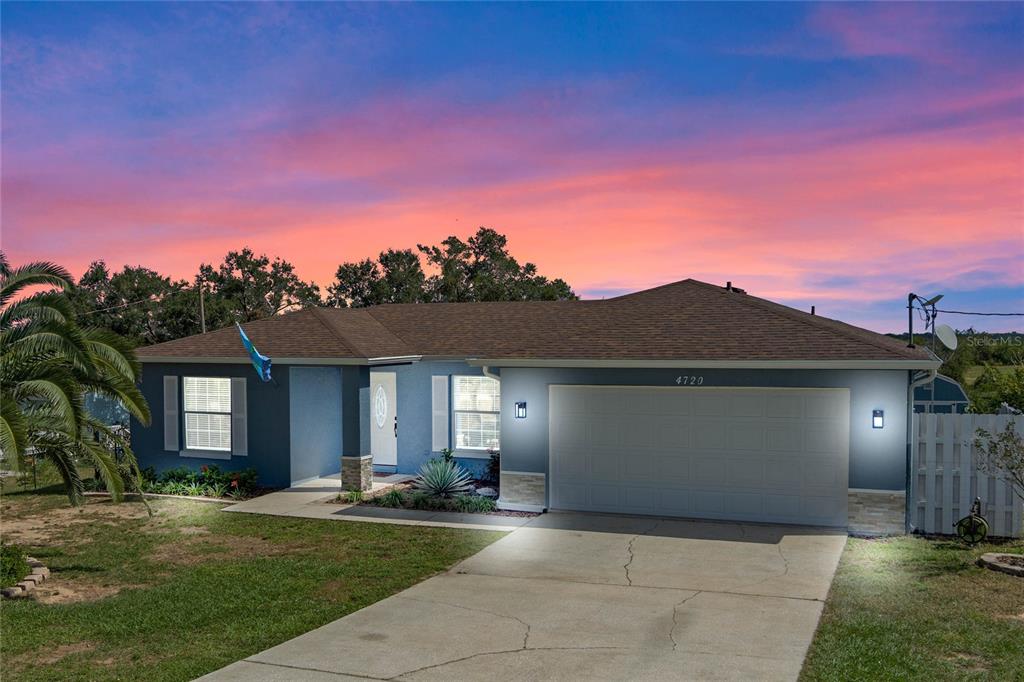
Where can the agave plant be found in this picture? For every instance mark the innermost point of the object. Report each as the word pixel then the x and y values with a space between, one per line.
pixel 47 365
pixel 443 478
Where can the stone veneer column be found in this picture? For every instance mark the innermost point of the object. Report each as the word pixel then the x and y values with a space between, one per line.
pixel 357 472
pixel 522 491
pixel 876 512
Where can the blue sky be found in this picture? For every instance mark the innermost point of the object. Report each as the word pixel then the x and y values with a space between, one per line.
pixel 831 154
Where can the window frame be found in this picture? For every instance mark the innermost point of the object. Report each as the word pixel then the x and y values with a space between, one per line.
pixel 185 412
pixel 475 450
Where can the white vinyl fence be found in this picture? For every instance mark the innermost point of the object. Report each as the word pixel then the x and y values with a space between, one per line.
pixel 946 478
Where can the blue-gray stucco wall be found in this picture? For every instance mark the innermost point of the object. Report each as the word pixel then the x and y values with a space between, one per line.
pixel 267 417
pixel 315 396
pixel 413 384
pixel 877 456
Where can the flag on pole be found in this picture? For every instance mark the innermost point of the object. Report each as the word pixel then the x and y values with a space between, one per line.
pixel 260 362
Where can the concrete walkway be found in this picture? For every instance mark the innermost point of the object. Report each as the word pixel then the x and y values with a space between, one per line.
pixel 587 597
pixel 312 500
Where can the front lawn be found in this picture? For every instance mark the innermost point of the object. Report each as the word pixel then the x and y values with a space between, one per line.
pixel 193 589
pixel 911 608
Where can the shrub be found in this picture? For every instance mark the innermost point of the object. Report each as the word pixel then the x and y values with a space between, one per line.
pixel 194 489
pixel 422 500
pixel 392 498
pixel 473 504
pixel 353 496
pixel 442 478
pixel 13 566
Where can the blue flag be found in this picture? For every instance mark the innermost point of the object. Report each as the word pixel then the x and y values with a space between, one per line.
pixel 260 362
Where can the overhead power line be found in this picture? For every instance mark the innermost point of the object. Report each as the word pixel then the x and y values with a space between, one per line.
pixel 965 312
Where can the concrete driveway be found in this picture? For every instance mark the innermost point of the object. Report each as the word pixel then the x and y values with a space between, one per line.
pixel 587 597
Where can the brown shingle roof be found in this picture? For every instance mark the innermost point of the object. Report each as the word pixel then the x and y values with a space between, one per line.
pixel 687 320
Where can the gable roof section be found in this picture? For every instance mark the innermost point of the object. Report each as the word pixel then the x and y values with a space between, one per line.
pixel 687 321
pixel 300 334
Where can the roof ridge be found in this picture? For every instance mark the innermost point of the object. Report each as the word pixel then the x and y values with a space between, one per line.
pixel 345 341
pixel 660 286
pixel 369 311
pixel 816 321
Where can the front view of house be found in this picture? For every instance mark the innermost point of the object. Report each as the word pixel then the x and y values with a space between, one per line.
pixel 687 400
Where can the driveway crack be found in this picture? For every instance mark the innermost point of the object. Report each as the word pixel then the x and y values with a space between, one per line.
pixel 629 552
pixel 526 626
pixel 675 620
pixel 509 651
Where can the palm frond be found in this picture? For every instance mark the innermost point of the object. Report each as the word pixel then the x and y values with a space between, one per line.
pixel 32 274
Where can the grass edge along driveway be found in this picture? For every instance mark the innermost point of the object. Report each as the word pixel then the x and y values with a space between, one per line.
pixel 913 608
pixel 193 589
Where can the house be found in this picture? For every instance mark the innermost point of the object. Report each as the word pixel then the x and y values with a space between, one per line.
pixel 942 396
pixel 688 400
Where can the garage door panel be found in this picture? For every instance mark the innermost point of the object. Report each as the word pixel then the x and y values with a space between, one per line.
pixel 605 496
pixel 822 440
pixel 606 433
pixel 828 406
pixel 820 508
pixel 672 501
pixel 744 504
pixel 709 436
pixel 671 434
pixel 605 465
pixel 823 474
pixel 673 467
pixel 674 404
pixel 638 500
pixel 747 405
pixel 709 404
pixel 707 471
pixel 745 473
pixel 744 454
pixel 787 438
pixel 782 506
pixel 572 462
pixel 785 407
pixel 706 502
pixel 638 465
pixel 746 436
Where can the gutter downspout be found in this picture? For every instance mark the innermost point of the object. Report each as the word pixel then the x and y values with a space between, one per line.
pixel 489 374
pixel 916 379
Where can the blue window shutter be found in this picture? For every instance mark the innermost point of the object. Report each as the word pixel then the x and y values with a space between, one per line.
pixel 171 413
pixel 439 413
pixel 239 424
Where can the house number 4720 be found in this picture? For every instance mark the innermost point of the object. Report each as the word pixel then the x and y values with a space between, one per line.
pixel 689 380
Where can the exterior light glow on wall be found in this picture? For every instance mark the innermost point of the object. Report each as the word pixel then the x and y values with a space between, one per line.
pixel 877 419
pixel 521 410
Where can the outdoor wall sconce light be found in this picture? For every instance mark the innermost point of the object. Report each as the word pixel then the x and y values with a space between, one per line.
pixel 521 410
pixel 877 419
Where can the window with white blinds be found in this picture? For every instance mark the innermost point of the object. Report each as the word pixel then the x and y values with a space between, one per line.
pixel 477 403
pixel 207 413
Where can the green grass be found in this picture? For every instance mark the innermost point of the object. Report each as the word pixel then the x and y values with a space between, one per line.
pixel 193 589
pixel 917 609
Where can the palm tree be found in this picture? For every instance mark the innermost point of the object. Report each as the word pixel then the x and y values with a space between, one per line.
pixel 47 365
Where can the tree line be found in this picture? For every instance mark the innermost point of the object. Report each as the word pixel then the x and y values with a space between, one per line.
pixel 146 307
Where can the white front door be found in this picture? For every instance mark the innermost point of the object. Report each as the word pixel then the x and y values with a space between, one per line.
pixel 746 454
pixel 383 418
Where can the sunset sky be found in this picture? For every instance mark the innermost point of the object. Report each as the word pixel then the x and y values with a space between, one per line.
pixel 834 154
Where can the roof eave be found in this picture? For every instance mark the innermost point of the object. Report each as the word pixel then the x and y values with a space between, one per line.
pixel 235 360
pixel 896 364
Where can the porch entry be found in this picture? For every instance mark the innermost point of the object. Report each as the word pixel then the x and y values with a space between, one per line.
pixel 383 418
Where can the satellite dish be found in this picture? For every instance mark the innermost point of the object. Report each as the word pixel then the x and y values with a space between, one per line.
pixel 946 335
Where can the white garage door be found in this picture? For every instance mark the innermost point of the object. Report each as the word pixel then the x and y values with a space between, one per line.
pixel 748 454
